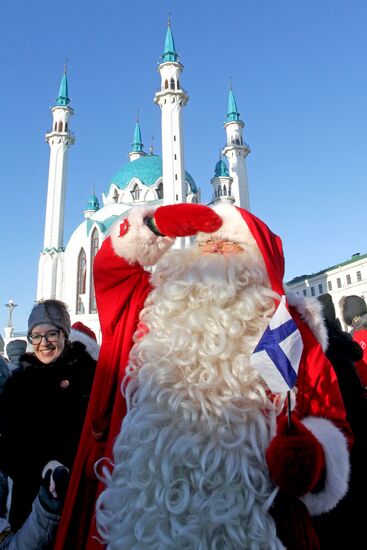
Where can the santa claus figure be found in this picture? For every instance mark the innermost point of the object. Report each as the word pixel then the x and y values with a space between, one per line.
pixel 205 444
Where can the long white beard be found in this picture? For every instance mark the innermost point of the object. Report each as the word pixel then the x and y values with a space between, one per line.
pixel 189 462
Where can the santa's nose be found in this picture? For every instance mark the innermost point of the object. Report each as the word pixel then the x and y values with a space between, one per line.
pixel 217 247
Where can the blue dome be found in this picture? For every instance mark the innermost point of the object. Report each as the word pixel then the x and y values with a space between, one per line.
pixel 148 170
pixel 221 169
pixel 93 203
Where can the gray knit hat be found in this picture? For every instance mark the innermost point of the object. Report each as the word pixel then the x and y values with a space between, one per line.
pixel 53 312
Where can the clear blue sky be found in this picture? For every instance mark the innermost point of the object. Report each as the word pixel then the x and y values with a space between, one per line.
pixel 299 75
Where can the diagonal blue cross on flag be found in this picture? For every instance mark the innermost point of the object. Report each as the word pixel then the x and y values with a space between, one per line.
pixel 278 353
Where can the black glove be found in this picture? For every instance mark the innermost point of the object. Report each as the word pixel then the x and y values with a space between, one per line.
pixel 53 489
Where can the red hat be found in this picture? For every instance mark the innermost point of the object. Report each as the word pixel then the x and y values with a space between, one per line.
pixel 81 327
pixel 271 248
pixel 241 226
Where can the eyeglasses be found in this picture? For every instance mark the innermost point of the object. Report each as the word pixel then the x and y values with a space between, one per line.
pixel 49 336
pixel 224 246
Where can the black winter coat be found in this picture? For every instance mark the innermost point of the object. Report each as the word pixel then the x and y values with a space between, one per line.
pixel 42 412
pixel 343 527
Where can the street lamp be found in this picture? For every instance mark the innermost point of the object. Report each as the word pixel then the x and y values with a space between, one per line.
pixel 11 306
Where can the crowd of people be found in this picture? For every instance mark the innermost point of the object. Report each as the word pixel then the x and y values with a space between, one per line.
pixel 218 413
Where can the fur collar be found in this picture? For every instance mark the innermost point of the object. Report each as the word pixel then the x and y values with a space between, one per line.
pixel 310 310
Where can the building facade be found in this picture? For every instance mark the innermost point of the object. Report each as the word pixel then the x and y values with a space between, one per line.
pixel 344 279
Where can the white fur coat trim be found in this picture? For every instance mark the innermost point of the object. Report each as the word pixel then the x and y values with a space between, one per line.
pixel 310 310
pixel 337 466
pixel 91 345
pixel 138 244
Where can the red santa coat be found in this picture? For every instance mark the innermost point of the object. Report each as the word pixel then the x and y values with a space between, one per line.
pixel 122 285
pixel 360 336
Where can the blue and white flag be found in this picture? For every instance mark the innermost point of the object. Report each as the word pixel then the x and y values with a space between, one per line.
pixel 278 353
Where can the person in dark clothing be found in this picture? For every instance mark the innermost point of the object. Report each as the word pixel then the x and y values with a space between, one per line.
pixel 4 373
pixel 344 526
pixel 354 312
pixel 43 405
pixel 14 350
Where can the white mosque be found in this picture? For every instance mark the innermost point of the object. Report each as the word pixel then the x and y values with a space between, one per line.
pixel 65 272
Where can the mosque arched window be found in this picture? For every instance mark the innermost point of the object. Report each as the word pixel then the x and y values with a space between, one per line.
pixel 172 84
pixel 115 196
pixel 224 190
pixel 55 127
pixel 178 84
pixel 160 191
pixel 94 247
pixel 81 280
pixel 219 191
pixel 166 84
pixel 136 192
pixel 66 126
pixel 60 126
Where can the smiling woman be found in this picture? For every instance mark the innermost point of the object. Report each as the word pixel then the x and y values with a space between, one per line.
pixel 48 342
pixel 53 385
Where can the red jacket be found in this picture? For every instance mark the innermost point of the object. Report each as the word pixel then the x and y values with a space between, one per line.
pixel 360 336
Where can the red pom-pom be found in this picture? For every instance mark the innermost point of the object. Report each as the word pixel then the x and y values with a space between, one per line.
pixel 295 458
pixel 183 220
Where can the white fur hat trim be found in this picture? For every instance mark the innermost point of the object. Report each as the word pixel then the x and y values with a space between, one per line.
pixel 234 227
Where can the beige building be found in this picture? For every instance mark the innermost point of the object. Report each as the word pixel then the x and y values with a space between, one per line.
pixel 344 279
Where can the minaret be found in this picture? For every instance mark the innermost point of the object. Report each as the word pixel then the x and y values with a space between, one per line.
pixel 236 151
pixel 137 150
pixel 59 139
pixel 171 98
pixel 222 183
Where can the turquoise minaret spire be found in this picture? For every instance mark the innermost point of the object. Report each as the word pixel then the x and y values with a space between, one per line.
pixel 137 145
pixel 169 53
pixel 232 113
pixel 137 150
pixel 63 98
